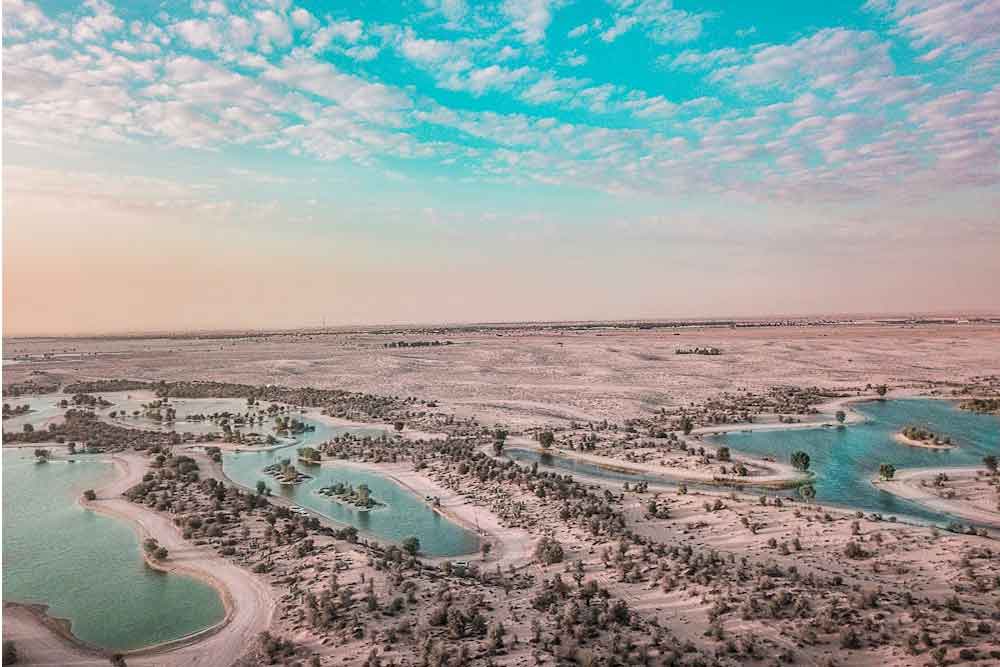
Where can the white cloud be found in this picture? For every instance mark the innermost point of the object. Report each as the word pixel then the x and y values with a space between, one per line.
pixel 347 31
pixel 530 18
pixel 659 19
pixel 199 34
pixel 452 10
pixel 102 20
pixel 273 30
pixel 959 29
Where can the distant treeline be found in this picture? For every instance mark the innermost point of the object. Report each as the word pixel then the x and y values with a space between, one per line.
pixel 335 402
pixel 710 351
pixel 30 387
pixel 418 343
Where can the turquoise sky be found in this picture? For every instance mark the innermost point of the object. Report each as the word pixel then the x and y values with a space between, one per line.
pixel 520 159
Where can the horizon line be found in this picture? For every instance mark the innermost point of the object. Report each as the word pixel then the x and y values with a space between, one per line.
pixel 835 317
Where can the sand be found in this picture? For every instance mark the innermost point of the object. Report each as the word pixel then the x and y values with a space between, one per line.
pixel 532 376
pixel 975 498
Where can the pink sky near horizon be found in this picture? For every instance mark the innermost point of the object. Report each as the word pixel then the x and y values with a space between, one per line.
pixel 82 260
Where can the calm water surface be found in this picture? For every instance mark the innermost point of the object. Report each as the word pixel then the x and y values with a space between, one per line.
pixel 404 513
pixel 88 567
pixel 846 459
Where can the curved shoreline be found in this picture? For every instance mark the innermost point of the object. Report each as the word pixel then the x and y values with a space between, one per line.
pixel 249 603
pixel 102 506
pixel 509 544
pixel 906 484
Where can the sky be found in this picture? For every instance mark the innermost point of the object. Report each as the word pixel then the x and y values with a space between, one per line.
pixel 226 165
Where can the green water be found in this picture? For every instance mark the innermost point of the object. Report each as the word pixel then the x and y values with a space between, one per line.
pixel 404 513
pixel 88 567
pixel 846 459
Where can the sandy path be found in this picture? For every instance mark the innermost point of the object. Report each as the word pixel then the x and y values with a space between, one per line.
pixel 249 602
pixel 907 484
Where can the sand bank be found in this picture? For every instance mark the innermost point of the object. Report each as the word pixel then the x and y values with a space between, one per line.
pixel 248 601
pixel 972 493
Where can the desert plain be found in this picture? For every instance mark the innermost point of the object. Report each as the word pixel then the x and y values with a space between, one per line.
pixel 707 556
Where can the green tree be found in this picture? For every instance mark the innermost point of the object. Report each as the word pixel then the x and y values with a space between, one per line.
pixel 887 471
pixel 800 460
pixel 808 492
pixel 89 494
pixel 990 461
pixel 9 652
pixel 546 439
pixel 687 425
pixel 723 454
pixel 841 416
pixel 411 545
pixel 882 390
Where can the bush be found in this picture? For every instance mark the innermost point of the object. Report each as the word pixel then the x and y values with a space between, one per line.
pixel 411 545
pixel 548 551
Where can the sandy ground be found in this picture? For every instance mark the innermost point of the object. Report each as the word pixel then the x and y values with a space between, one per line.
pixel 975 496
pixel 526 376
pixel 248 600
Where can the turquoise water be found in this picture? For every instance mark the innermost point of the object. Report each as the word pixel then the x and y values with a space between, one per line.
pixel 88 567
pixel 404 514
pixel 846 459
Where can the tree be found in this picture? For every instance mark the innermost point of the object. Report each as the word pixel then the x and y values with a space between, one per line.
pixel 28 428
pixel 990 461
pixel 364 496
pixel 886 471
pixel 841 416
pixel 89 494
pixel 800 460
pixel 9 652
pixel 548 551
pixel 398 426
pixel 881 390
pixel 808 492
pixel 261 487
pixel 723 454
pixel 687 425
pixel 546 439
pixel 499 438
pixel 411 545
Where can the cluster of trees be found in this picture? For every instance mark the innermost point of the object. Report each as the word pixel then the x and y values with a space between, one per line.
pixel 155 551
pixel 9 411
pixel 417 343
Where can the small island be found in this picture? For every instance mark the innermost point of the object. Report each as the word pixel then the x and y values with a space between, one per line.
pixel 359 498
pixel 918 436
pixel 286 473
